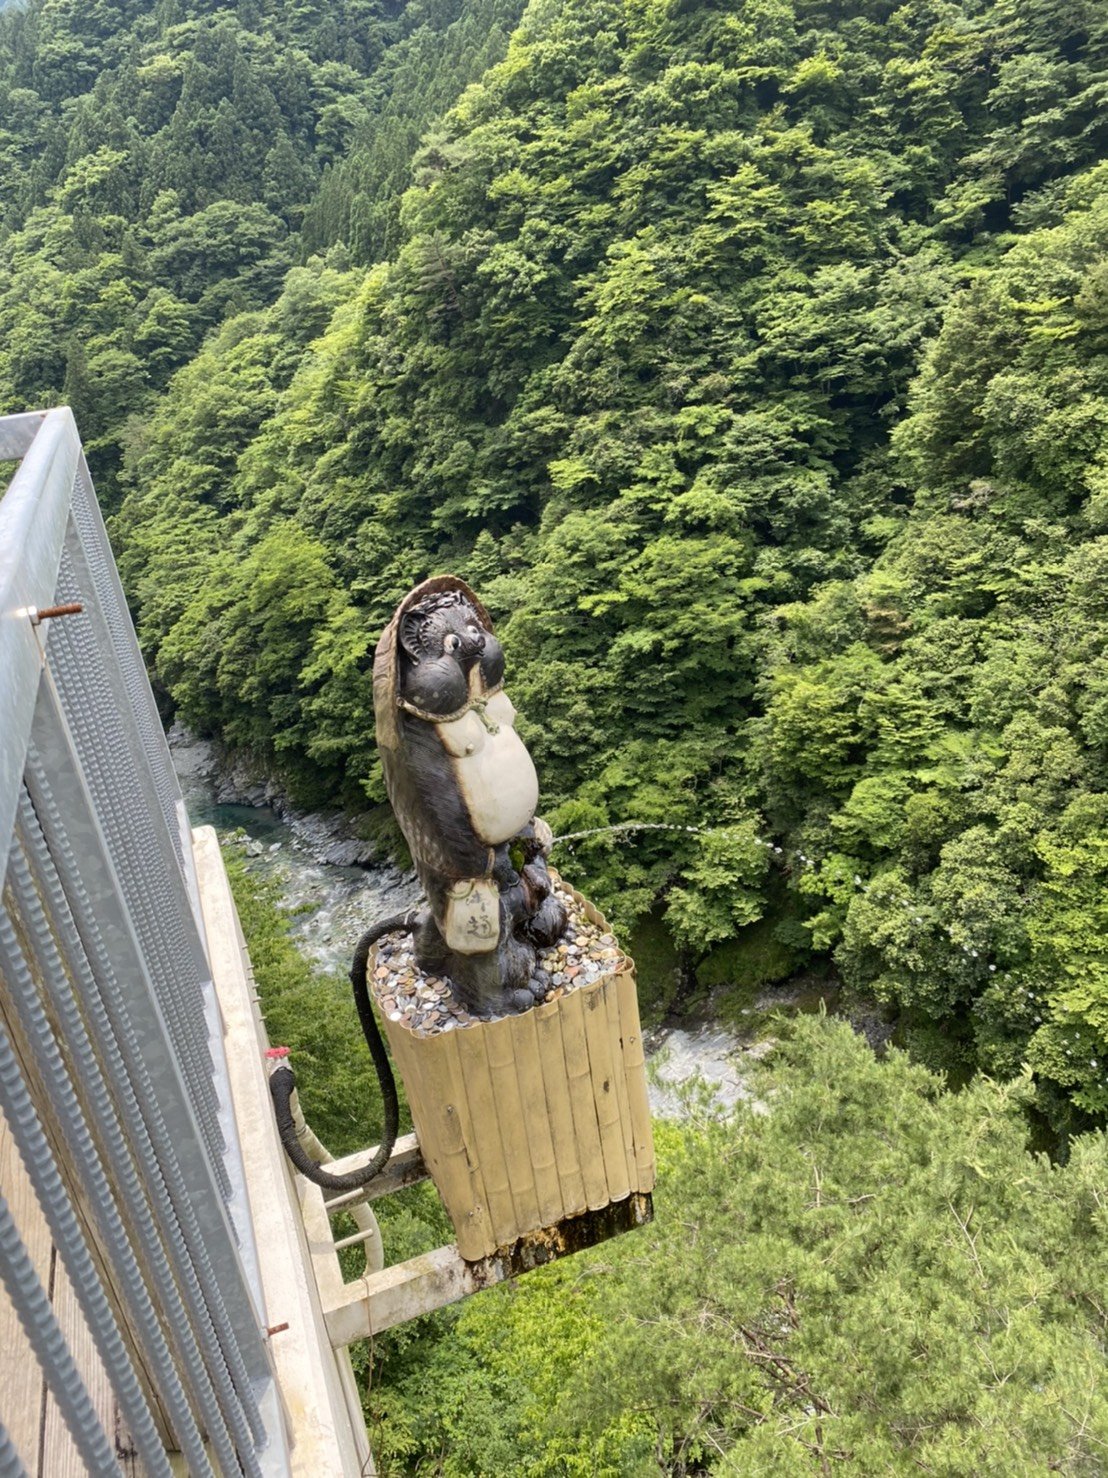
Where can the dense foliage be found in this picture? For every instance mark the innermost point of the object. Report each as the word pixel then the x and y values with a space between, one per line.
pixel 157 162
pixel 858 1271
pixel 872 1277
pixel 752 364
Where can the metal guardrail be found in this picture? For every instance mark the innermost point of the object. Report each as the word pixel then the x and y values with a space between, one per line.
pixel 112 1076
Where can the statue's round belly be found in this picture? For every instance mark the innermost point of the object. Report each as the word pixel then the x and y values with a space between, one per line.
pixel 498 785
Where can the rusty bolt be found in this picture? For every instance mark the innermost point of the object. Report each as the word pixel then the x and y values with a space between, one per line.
pixel 277 1328
pixel 71 608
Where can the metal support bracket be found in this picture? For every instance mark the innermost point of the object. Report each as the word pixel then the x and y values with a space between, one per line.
pixel 422 1284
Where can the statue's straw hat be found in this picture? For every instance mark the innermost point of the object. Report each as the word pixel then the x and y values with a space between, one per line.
pixel 386 659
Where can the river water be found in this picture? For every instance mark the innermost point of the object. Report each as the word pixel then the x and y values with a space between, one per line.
pixel 331 905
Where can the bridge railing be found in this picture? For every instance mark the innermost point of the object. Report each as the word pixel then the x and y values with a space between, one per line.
pixel 113 1082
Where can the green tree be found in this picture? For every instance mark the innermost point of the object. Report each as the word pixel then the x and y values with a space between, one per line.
pixel 858 1272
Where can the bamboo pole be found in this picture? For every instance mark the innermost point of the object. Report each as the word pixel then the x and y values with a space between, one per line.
pixel 481 1100
pixel 634 1060
pixel 548 1031
pixel 537 1121
pixel 619 1080
pixel 532 1120
pixel 501 1046
pixel 602 1072
pixel 582 1100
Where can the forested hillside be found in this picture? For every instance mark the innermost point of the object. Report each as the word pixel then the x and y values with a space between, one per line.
pixel 156 165
pixel 751 362
pixel 752 365
pixel 872 1278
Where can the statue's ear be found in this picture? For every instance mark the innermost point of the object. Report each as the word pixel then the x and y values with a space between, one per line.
pixel 411 634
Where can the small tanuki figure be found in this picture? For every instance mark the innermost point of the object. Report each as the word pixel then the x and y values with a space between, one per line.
pixel 464 791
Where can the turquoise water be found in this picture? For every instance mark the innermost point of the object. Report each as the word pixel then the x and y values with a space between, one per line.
pixel 330 906
pixel 259 822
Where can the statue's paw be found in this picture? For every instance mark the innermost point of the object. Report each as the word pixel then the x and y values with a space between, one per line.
pixel 508 1003
pixel 543 835
pixel 540 984
pixel 548 925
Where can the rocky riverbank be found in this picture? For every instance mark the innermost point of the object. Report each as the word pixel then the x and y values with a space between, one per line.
pixel 212 777
pixel 334 886
pixel 331 882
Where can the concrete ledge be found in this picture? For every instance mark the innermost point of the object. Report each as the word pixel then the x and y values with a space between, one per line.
pixel 322 1406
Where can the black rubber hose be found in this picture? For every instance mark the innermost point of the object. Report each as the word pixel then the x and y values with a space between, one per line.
pixel 282 1082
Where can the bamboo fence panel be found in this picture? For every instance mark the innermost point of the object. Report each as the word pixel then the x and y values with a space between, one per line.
pixel 530 1120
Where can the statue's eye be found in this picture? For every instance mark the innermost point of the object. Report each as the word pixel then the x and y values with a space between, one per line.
pixel 473 630
pixel 451 642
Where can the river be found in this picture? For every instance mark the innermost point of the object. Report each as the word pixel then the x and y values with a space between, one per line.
pixel 331 903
